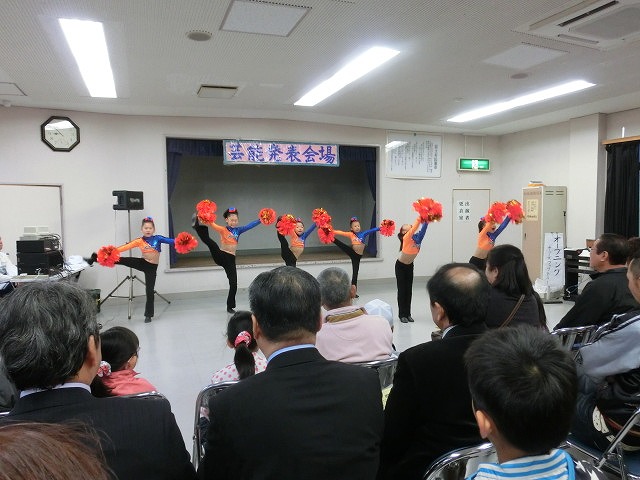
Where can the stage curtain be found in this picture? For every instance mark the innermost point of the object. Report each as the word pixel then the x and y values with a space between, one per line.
pixel 176 148
pixel 368 156
pixel 621 198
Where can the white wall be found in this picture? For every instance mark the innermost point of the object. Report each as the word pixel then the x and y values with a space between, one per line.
pixel 128 153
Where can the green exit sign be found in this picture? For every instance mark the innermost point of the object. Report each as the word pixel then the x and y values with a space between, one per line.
pixel 473 165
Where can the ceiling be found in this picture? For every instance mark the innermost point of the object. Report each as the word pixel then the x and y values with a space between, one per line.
pixel 441 71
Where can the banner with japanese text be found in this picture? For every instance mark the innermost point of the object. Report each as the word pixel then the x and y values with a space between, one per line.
pixel 279 153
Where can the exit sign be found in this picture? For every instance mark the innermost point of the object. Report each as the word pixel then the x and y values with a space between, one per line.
pixel 473 165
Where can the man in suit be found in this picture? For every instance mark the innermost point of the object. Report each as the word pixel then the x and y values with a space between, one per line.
pixel 429 412
pixel 304 416
pixel 50 344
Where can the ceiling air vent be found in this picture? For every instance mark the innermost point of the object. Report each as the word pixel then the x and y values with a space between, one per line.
pixel 217 91
pixel 599 24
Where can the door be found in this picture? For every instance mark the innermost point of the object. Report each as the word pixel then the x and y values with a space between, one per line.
pixel 469 206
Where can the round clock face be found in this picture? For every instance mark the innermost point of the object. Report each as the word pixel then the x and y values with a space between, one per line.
pixel 60 134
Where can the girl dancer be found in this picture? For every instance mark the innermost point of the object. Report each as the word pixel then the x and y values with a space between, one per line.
pixel 410 237
pixel 355 251
pixel 225 255
pixel 292 227
pixel 150 246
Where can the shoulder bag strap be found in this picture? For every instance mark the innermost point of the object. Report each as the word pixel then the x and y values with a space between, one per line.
pixel 513 312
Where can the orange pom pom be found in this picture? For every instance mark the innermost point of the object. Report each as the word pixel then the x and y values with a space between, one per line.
pixel 267 216
pixel 286 225
pixel 320 217
pixel 514 209
pixel 428 209
pixel 108 256
pixel 206 211
pixel 325 233
pixel 185 242
pixel 387 227
pixel 496 213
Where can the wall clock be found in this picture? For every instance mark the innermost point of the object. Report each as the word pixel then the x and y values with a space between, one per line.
pixel 60 134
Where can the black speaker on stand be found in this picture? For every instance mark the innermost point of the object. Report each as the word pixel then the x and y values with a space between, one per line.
pixel 128 200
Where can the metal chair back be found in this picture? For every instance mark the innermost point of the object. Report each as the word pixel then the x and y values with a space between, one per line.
pixel 459 464
pixel 202 401
pixel 386 369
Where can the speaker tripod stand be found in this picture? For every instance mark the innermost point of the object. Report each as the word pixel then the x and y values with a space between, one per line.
pixel 129 278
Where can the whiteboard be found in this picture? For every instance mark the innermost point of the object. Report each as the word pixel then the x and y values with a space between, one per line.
pixel 29 205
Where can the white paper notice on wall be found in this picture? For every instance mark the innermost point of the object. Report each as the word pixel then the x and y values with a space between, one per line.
pixel 413 155
pixel 553 260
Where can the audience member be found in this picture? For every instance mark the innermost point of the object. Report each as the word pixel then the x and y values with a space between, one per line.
pixel 607 294
pixel 120 350
pixel 428 412
pixel 304 416
pixel 50 344
pixel 247 359
pixel 7 270
pixel 46 451
pixel 512 300
pixel 349 333
pixel 380 307
pixel 609 376
pixel 523 387
pixel 8 391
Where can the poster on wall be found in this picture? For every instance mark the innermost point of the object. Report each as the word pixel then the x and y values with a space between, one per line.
pixel 413 155
pixel 280 153
pixel 553 260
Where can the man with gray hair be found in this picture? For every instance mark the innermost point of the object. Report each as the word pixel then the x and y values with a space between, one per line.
pixel 348 333
pixel 50 345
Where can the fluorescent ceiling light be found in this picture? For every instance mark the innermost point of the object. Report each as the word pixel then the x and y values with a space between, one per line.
pixel 534 97
pixel 372 58
pixel 89 47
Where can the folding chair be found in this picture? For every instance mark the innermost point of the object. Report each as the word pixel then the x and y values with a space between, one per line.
pixel 386 368
pixel 458 464
pixel 202 401
pixel 572 338
pixel 145 396
pixel 624 464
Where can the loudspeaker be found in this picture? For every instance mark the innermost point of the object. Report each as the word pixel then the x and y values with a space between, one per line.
pixel 128 200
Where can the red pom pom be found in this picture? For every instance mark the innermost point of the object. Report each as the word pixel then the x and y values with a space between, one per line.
pixel 286 225
pixel 496 213
pixel 387 227
pixel 320 217
pixel 514 209
pixel 185 242
pixel 325 233
pixel 206 210
pixel 428 209
pixel 267 216
pixel 108 256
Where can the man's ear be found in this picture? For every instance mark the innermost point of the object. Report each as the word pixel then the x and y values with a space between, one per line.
pixel 257 331
pixel 94 352
pixel 485 423
pixel 439 316
pixel 352 292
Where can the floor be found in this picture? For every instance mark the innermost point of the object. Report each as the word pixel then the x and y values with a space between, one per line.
pixel 185 343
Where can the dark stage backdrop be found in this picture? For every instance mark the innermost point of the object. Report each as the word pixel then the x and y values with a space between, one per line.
pixel 343 191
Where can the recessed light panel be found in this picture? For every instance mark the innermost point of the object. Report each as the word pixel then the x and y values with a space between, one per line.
pixel 267 18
